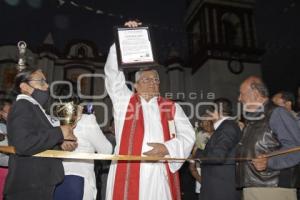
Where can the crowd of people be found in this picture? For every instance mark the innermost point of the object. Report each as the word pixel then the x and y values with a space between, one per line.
pixel 236 161
pixel 233 160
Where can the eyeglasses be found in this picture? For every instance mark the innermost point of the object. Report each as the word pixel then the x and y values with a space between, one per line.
pixel 150 80
pixel 43 82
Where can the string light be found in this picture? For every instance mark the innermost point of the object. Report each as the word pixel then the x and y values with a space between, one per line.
pixel 101 12
pixel 270 47
pixel 120 16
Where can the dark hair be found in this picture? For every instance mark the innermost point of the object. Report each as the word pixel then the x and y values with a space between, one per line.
pixel 223 106
pixel 288 96
pixel 23 77
pixel 4 102
pixel 261 87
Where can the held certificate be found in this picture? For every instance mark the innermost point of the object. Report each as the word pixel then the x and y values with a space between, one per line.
pixel 134 48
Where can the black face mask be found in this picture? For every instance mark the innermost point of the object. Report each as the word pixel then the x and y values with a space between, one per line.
pixel 41 96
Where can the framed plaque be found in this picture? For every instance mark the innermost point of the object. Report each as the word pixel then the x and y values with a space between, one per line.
pixel 134 48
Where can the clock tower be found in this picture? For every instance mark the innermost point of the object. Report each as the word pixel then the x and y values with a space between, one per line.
pixel 223 48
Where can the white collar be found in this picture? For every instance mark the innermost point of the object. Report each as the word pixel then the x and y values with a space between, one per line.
pixel 53 121
pixel 29 98
pixel 153 99
pixel 219 122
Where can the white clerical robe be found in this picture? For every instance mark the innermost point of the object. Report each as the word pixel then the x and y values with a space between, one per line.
pixel 153 175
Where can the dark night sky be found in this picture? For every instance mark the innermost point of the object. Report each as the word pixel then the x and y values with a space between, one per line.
pixel 279 32
pixel 23 22
pixel 30 20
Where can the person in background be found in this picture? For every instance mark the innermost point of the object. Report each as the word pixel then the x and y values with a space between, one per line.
pixel 5 106
pixel 30 130
pixel 268 128
pixel 80 181
pixel 204 133
pixel 285 99
pixel 217 163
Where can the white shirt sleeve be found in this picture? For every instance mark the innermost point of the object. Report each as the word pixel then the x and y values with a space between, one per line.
pixel 181 146
pixel 115 82
pixel 96 136
pixel 3 129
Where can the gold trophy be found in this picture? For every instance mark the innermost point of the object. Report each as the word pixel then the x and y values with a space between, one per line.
pixel 68 113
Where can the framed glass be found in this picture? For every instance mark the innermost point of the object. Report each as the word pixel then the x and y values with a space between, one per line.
pixel 134 47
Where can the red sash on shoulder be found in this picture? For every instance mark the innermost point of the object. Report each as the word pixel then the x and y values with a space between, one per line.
pixel 126 186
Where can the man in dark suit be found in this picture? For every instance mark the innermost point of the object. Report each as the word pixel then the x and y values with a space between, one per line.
pixel 217 165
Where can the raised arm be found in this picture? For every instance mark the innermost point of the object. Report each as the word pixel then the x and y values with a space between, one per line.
pixel 115 82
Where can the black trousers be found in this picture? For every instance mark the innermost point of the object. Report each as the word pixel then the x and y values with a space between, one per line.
pixel 39 193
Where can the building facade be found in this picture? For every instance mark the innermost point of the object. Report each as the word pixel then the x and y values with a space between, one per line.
pixel 223 46
pixel 223 51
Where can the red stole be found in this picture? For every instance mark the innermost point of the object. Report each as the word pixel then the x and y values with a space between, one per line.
pixel 127 177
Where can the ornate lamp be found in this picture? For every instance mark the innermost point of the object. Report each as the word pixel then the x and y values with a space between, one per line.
pixel 22 58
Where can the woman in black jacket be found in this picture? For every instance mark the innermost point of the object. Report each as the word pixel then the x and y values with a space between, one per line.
pixel 30 131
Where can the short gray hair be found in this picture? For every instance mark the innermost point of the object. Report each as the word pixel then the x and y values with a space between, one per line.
pixel 139 73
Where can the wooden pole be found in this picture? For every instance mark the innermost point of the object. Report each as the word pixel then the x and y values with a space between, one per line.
pixel 96 156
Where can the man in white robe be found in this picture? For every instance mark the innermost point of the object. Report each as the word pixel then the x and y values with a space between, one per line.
pixel 153 176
